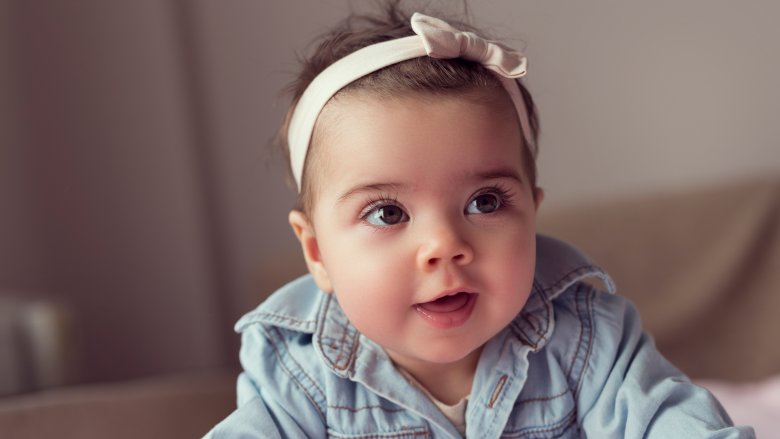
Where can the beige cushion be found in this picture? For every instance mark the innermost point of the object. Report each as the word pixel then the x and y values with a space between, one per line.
pixel 702 266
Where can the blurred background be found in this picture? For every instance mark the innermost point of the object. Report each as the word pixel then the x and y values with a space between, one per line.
pixel 142 210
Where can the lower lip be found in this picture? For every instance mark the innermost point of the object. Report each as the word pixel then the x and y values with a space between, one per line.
pixel 449 319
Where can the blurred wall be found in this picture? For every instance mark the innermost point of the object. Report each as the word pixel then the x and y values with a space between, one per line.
pixel 244 54
pixel 136 180
pixel 18 248
pixel 103 193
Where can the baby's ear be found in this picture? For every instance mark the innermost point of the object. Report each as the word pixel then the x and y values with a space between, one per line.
pixel 311 250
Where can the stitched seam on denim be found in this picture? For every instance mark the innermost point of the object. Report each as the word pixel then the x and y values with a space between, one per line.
pixel 556 429
pixel 537 288
pixel 344 329
pixel 368 407
pixel 319 331
pixel 332 341
pixel 343 341
pixel 302 370
pixel 416 432
pixel 353 352
pixel 517 328
pixel 284 317
pixel 497 390
pixel 541 399
pixel 585 318
pixel 569 276
pixel 519 334
pixel 591 323
pixel 579 339
pixel 536 328
pixel 341 345
pixel 275 316
pixel 292 375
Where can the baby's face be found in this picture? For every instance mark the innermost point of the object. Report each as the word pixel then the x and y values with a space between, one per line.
pixel 424 223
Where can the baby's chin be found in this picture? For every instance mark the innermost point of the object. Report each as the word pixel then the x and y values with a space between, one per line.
pixel 439 357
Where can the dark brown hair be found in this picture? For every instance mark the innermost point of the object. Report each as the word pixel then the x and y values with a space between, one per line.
pixel 449 77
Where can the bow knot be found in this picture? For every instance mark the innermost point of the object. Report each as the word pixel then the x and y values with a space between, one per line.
pixel 439 40
pixel 444 41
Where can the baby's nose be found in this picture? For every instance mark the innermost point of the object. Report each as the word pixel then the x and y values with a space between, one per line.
pixel 444 244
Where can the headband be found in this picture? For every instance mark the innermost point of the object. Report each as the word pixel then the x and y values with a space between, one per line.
pixel 434 38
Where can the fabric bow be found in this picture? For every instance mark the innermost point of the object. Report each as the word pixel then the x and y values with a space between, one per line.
pixel 434 38
pixel 444 41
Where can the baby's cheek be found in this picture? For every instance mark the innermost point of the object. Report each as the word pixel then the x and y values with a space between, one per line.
pixel 512 261
pixel 369 286
pixel 373 307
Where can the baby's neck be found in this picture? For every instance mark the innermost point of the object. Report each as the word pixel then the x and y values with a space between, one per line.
pixel 448 383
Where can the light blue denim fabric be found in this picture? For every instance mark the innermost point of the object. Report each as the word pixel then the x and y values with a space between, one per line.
pixel 574 363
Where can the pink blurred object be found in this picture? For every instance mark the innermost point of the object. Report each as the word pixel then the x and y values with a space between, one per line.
pixel 753 403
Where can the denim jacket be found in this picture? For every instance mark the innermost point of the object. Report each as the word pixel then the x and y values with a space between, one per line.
pixel 574 363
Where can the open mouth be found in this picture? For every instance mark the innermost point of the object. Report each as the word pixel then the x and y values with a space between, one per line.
pixel 448 311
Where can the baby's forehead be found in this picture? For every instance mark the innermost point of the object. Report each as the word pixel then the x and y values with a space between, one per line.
pixel 432 128
pixel 347 103
pixel 375 120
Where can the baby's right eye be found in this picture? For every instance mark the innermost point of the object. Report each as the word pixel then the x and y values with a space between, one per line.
pixel 386 215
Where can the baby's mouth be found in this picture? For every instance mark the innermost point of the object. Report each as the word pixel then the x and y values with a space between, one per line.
pixel 446 304
pixel 448 311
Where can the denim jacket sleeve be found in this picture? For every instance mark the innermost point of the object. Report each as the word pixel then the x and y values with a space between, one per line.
pixel 274 400
pixel 631 391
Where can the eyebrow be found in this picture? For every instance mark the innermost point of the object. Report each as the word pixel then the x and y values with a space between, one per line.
pixel 498 173
pixel 373 187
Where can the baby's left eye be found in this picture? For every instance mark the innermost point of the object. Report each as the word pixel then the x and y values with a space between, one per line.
pixel 484 203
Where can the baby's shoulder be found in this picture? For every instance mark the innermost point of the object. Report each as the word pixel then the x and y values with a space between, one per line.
pixel 279 331
pixel 585 305
pixel 277 346
pixel 585 301
pixel 293 307
pixel 591 321
pixel 573 294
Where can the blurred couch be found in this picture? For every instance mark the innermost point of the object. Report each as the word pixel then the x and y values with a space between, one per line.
pixel 703 267
pixel 178 406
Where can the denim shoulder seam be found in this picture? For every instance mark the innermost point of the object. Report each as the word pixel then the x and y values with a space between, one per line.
pixel 287 322
pixel 295 371
pixel 583 302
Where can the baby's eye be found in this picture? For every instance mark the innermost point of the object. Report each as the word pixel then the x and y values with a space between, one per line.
pixel 484 203
pixel 387 215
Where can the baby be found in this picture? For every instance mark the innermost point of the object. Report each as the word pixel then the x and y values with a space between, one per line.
pixel 432 307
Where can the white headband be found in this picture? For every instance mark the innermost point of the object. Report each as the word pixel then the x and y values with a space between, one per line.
pixel 435 38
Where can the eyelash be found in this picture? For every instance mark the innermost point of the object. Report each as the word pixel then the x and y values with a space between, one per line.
pixel 376 202
pixel 504 194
